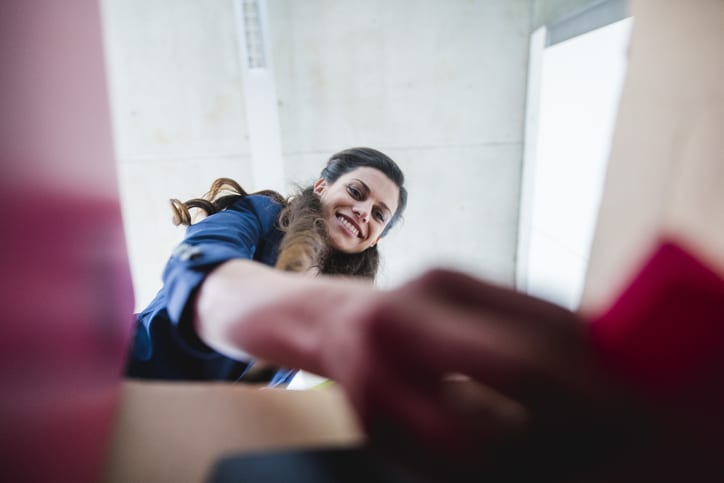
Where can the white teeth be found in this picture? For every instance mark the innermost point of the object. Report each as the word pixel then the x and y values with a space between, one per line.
pixel 348 225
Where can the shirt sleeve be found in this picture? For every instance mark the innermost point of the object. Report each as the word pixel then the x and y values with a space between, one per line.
pixel 236 232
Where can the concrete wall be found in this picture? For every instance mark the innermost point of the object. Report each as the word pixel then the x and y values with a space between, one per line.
pixel 439 86
pixel 178 116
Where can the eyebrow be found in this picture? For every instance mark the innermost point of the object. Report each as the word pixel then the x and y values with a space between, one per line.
pixel 368 190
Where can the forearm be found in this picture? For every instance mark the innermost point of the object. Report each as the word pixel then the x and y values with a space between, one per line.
pixel 245 309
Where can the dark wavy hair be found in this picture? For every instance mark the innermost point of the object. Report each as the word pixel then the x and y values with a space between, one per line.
pixel 305 246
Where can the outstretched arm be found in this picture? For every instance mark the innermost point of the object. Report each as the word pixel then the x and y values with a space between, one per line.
pixel 552 400
pixel 394 351
pixel 245 308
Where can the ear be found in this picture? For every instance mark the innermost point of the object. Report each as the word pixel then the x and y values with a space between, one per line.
pixel 320 185
pixel 376 242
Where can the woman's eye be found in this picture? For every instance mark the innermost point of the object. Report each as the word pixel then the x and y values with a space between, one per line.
pixel 380 216
pixel 354 192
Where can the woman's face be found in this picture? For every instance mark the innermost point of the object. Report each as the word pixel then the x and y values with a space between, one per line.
pixel 357 208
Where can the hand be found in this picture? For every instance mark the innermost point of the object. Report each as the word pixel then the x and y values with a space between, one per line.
pixel 537 391
pixel 539 394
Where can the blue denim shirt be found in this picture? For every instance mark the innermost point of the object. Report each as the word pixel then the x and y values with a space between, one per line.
pixel 165 345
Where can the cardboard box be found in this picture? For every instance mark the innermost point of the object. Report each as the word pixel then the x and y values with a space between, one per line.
pixel 175 432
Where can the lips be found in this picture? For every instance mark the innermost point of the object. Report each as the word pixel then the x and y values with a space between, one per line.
pixel 349 225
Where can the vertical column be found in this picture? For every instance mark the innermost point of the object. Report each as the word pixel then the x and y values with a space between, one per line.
pixel 260 94
pixel 525 222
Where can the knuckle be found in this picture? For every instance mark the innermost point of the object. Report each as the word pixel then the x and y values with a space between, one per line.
pixel 376 318
pixel 432 279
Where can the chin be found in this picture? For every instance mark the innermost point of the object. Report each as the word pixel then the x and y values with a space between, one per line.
pixel 345 248
pixel 340 247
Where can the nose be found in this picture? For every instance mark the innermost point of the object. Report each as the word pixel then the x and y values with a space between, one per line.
pixel 362 211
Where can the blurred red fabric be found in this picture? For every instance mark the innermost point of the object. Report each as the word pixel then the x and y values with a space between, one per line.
pixel 665 334
pixel 65 289
pixel 664 339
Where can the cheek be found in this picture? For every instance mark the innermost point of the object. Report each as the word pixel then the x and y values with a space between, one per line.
pixel 326 207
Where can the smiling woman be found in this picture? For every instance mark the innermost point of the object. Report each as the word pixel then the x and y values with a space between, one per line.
pixel 330 228
pixel 357 208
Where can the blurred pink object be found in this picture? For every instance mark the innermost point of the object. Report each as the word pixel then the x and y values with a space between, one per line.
pixel 65 291
pixel 664 338
pixel 664 335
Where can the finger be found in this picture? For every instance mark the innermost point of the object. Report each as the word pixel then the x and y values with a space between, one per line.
pixel 395 412
pixel 430 339
pixel 465 290
pixel 487 415
pixel 461 423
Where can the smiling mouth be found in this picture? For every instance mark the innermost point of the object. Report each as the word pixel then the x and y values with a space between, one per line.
pixel 349 226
